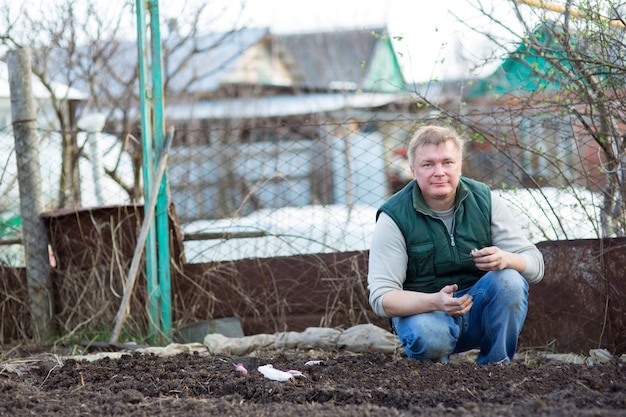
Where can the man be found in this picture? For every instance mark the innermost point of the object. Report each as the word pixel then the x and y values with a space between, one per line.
pixel 448 262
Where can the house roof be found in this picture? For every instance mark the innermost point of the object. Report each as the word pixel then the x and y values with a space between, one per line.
pixel 526 69
pixel 348 61
pixel 344 60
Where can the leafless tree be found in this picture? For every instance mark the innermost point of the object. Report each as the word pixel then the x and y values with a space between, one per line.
pixel 91 46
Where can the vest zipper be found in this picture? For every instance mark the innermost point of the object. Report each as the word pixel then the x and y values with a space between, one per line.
pixel 451 231
pixel 452 243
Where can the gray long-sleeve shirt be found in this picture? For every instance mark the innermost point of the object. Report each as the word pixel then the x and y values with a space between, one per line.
pixel 388 255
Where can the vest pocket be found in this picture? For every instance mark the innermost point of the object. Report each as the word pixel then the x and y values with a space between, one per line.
pixel 421 266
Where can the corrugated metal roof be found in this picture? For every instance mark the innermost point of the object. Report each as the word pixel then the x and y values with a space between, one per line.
pixel 275 106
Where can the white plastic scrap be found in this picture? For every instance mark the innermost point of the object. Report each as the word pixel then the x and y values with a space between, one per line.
pixel 276 374
pixel 599 356
pixel 311 363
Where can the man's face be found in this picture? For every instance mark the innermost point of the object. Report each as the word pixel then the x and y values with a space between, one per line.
pixel 437 169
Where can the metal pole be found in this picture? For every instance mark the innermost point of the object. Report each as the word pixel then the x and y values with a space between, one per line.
pixel 162 205
pixel 148 166
pixel 29 179
pixel 93 124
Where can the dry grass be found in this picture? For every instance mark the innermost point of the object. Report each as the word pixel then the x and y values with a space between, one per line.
pixel 269 295
pixel 14 309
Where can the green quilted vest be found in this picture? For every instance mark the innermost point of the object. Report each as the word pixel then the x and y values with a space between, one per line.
pixel 436 258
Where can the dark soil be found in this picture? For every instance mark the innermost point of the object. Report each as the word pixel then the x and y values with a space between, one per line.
pixel 200 384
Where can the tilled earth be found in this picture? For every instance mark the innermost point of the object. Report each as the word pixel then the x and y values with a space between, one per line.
pixel 201 384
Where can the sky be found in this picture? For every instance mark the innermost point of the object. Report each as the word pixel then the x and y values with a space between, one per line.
pixel 436 39
pixel 435 44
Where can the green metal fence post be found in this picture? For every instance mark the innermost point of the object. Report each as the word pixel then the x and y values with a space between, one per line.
pixel 162 216
pixel 148 164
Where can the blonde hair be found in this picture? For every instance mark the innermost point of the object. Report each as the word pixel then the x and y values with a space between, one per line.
pixel 433 135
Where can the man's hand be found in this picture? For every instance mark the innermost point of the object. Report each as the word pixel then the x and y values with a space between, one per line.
pixel 455 307
pixel 493 258
pixel 490 258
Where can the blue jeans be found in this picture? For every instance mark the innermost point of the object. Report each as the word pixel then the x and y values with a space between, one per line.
pixel 493 323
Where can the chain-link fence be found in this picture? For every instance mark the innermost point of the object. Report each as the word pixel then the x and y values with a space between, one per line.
pixel 310 188
pixel 259 195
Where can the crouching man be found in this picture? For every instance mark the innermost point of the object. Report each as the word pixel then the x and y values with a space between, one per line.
pixel 449 263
